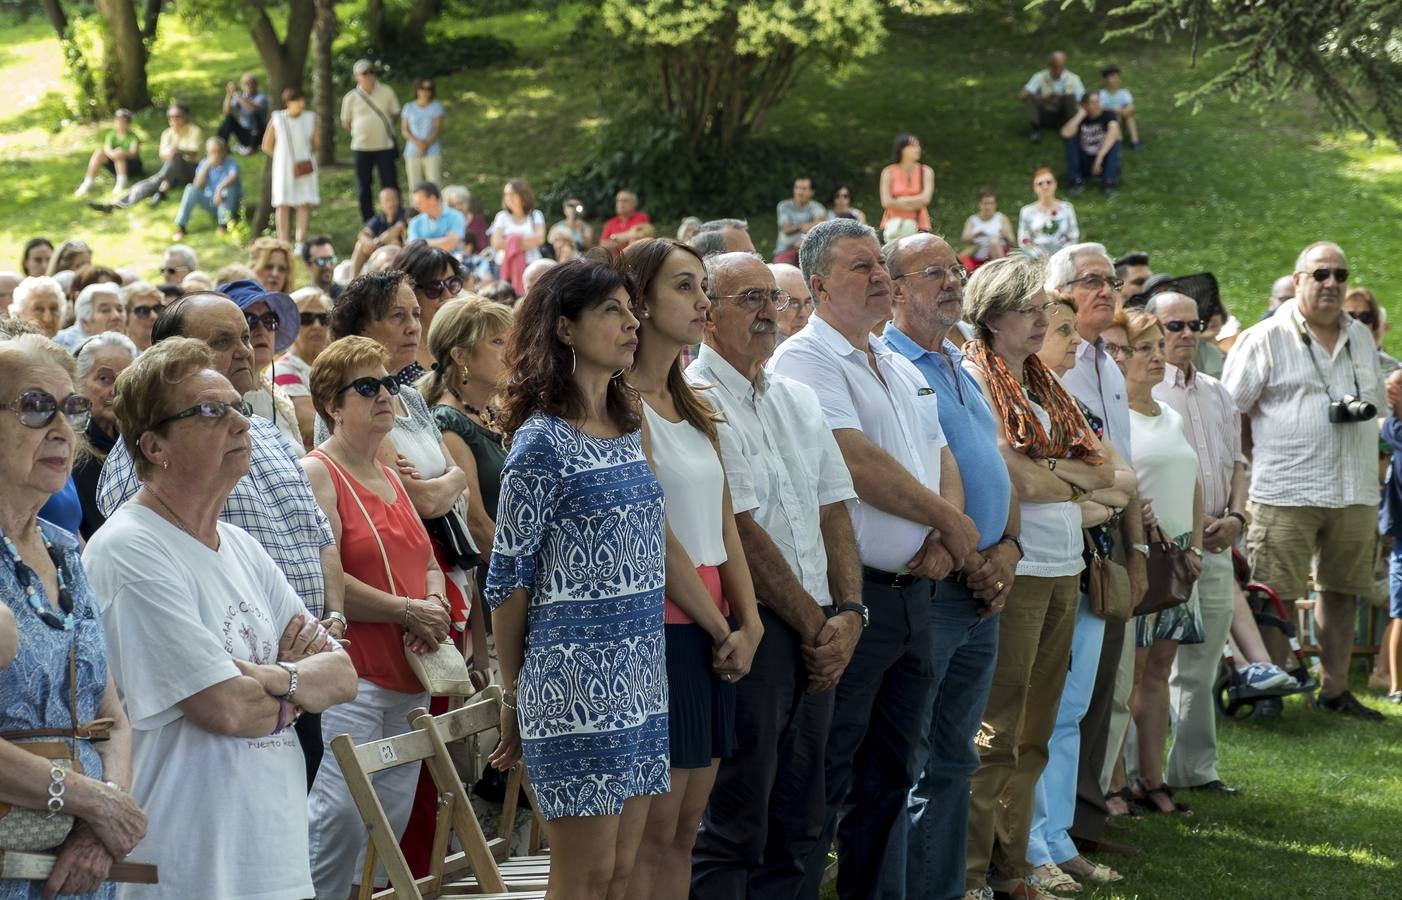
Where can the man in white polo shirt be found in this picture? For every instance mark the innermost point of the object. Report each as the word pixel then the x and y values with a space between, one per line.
pixel 789 488
pixel 911 531
pixel 1303 378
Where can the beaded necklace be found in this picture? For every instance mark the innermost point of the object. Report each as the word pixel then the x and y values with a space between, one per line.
pixel 27 578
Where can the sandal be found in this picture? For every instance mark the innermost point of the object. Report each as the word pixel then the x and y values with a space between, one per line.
pixel 1134 804
pixel 1095 874
pixel 1050 877
pixel 1163 790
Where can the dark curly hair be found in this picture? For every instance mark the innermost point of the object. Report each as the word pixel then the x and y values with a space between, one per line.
pixel 539 363
pixel 366 299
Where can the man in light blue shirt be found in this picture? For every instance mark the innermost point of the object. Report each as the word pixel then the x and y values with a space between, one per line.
pixel 440 226
pixel 927 849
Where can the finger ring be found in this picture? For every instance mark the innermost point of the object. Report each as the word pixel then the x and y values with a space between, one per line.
pixel 999 585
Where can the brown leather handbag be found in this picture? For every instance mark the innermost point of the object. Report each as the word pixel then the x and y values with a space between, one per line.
pixel 1107 584
pixel 1171 577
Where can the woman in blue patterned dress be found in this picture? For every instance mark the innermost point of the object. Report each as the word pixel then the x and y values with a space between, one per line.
pixel 51 611
pixel 576 579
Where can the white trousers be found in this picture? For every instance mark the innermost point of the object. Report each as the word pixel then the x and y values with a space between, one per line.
pixel 1192 758
pixel 338 835
pixel 424 168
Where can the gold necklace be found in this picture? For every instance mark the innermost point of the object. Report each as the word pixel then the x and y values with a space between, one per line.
pixel 180 523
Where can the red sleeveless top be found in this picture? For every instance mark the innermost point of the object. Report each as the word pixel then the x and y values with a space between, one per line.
pixel 377 648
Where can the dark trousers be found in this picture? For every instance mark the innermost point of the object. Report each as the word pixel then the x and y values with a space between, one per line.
pixel 309 735
pixel 232 127
pixel 1091 811
pixel 175 172
pixel 766 809
pixel 1079 164
pixel 1049 112
pixel 366 162
pixel 873 746
pixel 926 859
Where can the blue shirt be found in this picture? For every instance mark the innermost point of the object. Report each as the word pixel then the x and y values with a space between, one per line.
pixel 422 228
pixel 253 119
pixel 217 174
pixel 972 432
pixel 420 119
pixel 64 508
pixel 1390 516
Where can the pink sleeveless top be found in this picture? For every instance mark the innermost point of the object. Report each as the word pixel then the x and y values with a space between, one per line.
pixel 903 185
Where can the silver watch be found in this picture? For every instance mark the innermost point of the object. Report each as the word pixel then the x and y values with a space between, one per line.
pixel 1142 548
pixel 291 669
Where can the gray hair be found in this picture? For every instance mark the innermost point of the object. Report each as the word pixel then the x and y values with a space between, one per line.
pixel 1061 268
pixel 710 236
pixel 1001 286
pixel 88 349
pixel 138 289
pixel 723 225
pixel 382 260
pixel 82 308
pixel 38 284
pixel 456 195
pixel 1317 245
pixel 182 256
pixel 1163 298
pixel 815 253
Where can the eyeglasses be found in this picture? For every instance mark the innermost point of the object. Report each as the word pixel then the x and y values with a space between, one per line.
pixel 435 289
pixel 755 298
pixel 209 409
pixel 1129 352
pixel 322 262
pixel 1322 275
pixel 146 311
pixel 322 319
pixel 940 273
pixel 1096 282
pixel 268 320
pixel 1193 325
pixel 1365 316
pixel 807 303
pixel 171 270
pixel 368 386
pixel 36 409
pixel 1041 309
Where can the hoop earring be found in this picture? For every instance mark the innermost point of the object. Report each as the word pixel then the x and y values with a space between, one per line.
pixel 574 360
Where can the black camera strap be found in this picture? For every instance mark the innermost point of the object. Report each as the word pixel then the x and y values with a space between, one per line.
pixel 1309 351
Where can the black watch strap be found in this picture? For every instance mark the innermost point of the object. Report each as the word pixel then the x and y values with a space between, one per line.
pixel 1238 516
pixel 859 608
pixel 1013 539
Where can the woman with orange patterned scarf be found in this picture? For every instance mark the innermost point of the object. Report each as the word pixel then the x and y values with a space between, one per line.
pixel 1054 459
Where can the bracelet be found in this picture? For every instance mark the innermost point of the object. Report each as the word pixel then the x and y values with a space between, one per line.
pixel 1051 464
pixel 1233 514
pixel 56 789
pixel 336 615
pixel 508 700
pixel 287 713
pixel 1077 492
pixel 441 599
pixel 406 613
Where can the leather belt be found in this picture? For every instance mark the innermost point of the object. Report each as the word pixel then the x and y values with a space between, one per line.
pixel 888 579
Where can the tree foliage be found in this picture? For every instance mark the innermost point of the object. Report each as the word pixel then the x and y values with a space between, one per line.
pixel 722 65
pixel 1347 52
pixel 126 46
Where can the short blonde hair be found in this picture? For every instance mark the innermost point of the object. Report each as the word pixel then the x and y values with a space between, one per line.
pixel 334 365
pixel 464 322
pixel 264 247
pixel 1001 286
pixel 1136 323
pixel 143 389
pixel 303 296
pixel 139 290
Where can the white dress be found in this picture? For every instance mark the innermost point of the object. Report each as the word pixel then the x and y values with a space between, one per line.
pixel 293 143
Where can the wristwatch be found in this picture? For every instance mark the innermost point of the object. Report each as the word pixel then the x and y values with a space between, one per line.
pixel 1142 548
pixel 291 670
pixel 1013 539
pixel 858 608
pixel 1196 551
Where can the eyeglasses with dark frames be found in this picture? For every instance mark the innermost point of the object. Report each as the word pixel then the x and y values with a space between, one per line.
pixel 1177 325
pixel 368 386
pixel 1096 282
pixel 1321 275
pixel 755 298
pixel 268 320
pixel 311 318
pixel 450 287
pixel 207 409
pixel 36 409
pixel 1365 316
pixel 146 311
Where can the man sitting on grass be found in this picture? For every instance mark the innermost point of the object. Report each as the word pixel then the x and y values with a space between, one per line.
pixel 119 154
pixel 216 189
pixel 1120 102
pixel 1092 146
pixel 1049 98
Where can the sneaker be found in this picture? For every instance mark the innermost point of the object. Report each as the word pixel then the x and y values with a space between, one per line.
pixel 1266 677
pixel 1026 889
pixel 1348 704
pixel 102 207
pixel 1076 187
pixel 1395 697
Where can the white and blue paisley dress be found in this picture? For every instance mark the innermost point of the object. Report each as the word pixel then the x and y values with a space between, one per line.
pixel 580 526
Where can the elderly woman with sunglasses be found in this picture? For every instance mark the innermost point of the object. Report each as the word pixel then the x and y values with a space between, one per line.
pixel 273 323
pixel 144 302
pixel 394 593
pixel 56 677
pixel 438 277
pixel 214 652
pixel 293 373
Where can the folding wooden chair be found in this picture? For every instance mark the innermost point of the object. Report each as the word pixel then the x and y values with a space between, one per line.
pixel 524 873
pixel 358 764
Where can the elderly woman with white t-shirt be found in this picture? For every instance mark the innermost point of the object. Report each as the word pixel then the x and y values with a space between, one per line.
pixel 214 653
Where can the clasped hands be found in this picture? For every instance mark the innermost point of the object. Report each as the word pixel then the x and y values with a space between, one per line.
pixel 955 548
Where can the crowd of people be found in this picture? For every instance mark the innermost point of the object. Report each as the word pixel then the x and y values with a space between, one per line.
pixel 918 549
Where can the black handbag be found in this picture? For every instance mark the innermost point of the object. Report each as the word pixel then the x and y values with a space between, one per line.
pixel 449 532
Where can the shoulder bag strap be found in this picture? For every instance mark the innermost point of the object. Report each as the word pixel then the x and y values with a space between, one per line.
pixel 336 468
pixel 287 127
pixel 389 126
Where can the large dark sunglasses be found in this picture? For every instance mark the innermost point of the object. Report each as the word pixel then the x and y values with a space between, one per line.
pixel 146 311
pixel 209 409
pixel 268 320
pixel 1193 325
pixel 322 262
pixel 435 289
pixel 1365 316
pixel 1322 275
pixel 368 386
pixel 36 409
pixel 322 319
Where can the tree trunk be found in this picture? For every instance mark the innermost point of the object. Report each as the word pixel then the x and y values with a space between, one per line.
pixel 419 17
pixel 323 86
pixel 123 56
pixel 375 22
pixel 150 16
pixel 286 63
pixel 54 10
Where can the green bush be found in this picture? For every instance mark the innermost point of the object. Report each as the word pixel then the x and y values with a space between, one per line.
pixel 647 154
pixel 440 55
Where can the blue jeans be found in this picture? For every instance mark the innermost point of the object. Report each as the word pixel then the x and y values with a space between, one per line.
pixel 1056 789
pixel 926 859
pixel 871 761
pixel 1394 580
pixel 1079 165
pixel 224 213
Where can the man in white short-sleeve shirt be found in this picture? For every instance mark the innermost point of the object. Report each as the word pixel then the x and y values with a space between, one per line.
pixel 885 420
pixel 789 489
pixel 1051 96
pixel 1314 476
